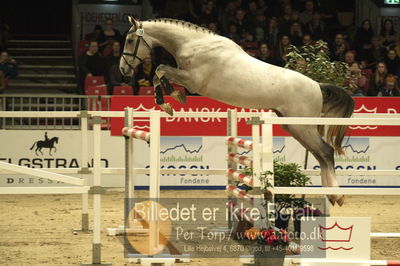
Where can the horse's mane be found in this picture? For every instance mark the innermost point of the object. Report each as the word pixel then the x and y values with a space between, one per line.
pixel 182 23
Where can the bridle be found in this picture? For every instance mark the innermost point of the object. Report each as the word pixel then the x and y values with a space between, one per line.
pixel 139 33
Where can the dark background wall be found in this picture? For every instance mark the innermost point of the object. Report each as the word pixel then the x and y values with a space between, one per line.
pixel 37 17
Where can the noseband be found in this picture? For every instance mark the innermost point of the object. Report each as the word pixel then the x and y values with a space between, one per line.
pixel 139 33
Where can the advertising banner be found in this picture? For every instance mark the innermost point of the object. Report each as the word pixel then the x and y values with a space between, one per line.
pixel 194 152
pixel 217 127
pixel 55 149
pixel 338 238
pixel 198 144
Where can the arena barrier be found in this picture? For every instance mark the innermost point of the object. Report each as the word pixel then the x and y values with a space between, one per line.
pixel 326 191
pixel 261 160
pixel 293 190
pixel 95 116
pixel 58 174
pixel 362 120
pixel 152 228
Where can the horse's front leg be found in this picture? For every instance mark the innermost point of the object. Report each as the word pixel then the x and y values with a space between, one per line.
pixel 168 73
pixel 167 107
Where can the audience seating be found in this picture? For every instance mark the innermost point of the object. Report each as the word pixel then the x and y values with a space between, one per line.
pixel 99 103
pixel 122 90
pixel 146 91
pixel 96 90
pixel 150 90
pixel 94 81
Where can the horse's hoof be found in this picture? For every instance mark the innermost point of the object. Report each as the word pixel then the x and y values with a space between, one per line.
pixel 336 199
pixel 167 107
pixel 179 96
pixel 332 199
pixel 340 201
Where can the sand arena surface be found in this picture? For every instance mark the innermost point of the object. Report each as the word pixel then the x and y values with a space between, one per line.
pixel 37 229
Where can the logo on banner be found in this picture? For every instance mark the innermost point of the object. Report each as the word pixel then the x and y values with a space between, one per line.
pixel 337 234
pixel 364 109
pixel 187 153
pixel 174 151
pixel 278 148
pixel 47 143
pixel 356 150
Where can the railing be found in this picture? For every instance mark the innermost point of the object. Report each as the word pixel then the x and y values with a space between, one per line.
pixel 50 103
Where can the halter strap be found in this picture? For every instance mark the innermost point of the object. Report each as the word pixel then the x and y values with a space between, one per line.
pixel 139 32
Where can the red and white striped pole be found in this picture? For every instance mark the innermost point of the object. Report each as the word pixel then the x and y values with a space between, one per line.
pixel 241 194
pixel 242 143
pixel 135 133
pixel 238 176
pixel 244 160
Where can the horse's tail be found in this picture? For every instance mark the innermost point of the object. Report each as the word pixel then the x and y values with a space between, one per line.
pixel 336 103
pixel 33 145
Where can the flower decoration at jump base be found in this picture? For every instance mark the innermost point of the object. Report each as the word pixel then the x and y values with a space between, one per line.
pixel 307 211
pixel 270 236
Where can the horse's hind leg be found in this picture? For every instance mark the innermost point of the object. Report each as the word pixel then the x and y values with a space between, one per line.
pixel 309 137
pixel 179 76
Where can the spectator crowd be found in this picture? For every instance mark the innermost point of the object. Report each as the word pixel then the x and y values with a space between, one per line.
pixel 265 29
pixel 8 69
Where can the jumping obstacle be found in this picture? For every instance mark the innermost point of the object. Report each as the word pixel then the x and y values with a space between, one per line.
pixel 239 193
pixel 327 190
pixel 262 160
pixel 259 163
pixel 81 186
pixel 137 134
pixel 267 147
pixel 377 119
pixel 153 138
pixel 130 135
pixel 242 143
pixel 236 176
pixel 240 177
pixel 241 159
pixel 97 190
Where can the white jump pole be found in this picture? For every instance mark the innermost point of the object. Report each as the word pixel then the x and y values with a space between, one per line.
pixel 255 133
pixel 96 190
pixel 154 182
pixel 267 160
pixel 129 167
pixel 84 171
pixel 129 172
pixel 96 197
pixel 232 132
pixel 267 157
pixel 255 123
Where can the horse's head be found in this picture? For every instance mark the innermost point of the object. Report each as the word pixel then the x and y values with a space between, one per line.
pixel 55 139
pixel 137 47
